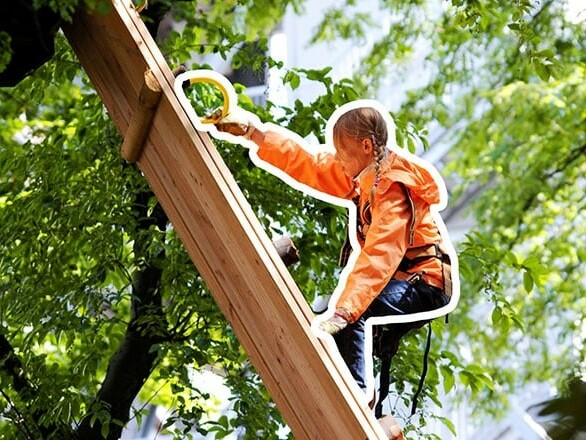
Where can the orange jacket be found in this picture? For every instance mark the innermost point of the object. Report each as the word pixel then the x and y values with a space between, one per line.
pixel 392 230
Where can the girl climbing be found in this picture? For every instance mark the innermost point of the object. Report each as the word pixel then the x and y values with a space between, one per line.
pixel 400 270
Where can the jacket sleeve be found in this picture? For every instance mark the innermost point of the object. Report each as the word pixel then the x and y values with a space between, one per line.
pixel 384 247
pixel 319 171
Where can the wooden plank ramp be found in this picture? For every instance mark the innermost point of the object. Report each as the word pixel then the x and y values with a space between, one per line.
pixel 220 232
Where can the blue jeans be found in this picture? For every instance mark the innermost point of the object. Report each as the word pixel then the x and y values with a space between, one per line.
pixel 397 298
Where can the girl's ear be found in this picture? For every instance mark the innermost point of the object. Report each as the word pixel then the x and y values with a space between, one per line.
pixel 367 145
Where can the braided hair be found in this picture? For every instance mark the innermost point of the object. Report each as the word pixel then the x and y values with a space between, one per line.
pixel 366 123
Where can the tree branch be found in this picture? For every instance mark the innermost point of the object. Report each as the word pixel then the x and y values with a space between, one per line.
pixel 570 159
pixel 11 366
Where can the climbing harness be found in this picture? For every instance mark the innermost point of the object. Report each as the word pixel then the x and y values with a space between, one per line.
pixel 387 337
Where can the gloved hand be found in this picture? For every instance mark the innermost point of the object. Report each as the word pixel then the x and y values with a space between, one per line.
pixel 238 123
pixel 334 324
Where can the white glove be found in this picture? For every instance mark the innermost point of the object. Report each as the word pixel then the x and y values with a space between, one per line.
pixel 334 324
pixel 238 123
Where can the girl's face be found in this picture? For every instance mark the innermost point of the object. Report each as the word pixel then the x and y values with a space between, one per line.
pixel 353 155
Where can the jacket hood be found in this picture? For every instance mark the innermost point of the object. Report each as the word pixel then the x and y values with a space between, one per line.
pixel 414 176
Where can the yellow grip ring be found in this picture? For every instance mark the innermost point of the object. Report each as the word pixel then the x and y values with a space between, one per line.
pixel 210 77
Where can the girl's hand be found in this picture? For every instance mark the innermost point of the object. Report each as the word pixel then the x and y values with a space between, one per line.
pixel 238 123
pixel 334 324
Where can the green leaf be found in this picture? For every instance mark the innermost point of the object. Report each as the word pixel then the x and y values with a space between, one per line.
pixel 448 378
pixel 105 430
pixel 497 315
pixel 528 281
pixel 447 423
pixel 542 70
pixel 292 79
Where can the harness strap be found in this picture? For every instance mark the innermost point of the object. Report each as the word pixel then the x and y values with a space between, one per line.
pixel 347 246
pixel 385 373
pixel 414 256
pixel 424 372
pixel 384 384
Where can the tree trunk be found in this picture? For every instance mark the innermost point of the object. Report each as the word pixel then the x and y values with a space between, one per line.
pixel 134 360
pixel 127 372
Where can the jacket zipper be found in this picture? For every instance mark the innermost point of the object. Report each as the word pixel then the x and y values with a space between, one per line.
pixel 412 224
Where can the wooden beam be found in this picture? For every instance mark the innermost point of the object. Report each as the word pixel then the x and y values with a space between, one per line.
pixel 135 137
pixel 221 233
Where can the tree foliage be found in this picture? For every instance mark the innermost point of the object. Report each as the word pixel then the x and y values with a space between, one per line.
pixel 100 304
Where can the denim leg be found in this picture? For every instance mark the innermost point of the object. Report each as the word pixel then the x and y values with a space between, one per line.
pixel 400 298
pixel 350 341
pixel 395 299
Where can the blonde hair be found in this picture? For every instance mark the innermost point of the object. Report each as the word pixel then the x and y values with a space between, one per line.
pixel 365 123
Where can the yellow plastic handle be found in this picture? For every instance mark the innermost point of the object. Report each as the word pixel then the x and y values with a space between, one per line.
pixel 213 118
pixel 217 80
